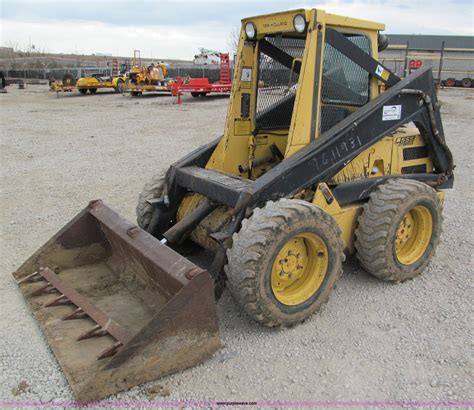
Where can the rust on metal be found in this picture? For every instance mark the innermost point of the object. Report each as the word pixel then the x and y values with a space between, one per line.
pixel 103 321
pixel 96 331
pixel 32 277
pixel 133 231
pixel 146 310
pixel 76 314
pixel 59 301
pixel 192 273
pixel 48 288
pixel 95 202
pixel 109 352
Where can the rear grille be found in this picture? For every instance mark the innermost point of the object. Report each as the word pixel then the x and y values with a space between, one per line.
pixel 414 169
pixel 415 153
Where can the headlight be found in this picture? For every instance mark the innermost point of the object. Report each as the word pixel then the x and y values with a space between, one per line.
pixel 250 31
pixel 299 23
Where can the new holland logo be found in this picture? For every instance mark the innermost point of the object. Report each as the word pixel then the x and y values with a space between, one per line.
pixel 275 24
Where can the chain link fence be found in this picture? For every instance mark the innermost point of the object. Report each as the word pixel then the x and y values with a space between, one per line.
pixel 211 72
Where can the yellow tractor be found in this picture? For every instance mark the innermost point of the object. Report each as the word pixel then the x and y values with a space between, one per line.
pixel 315 163
pixel 150 78
pixel 91 83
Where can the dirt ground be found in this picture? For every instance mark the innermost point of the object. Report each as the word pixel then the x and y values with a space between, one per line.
pixel 373 341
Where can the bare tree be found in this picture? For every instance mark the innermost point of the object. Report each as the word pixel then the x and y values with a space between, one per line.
pixel 233 39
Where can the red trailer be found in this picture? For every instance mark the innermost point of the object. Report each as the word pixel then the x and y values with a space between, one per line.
pixel 200 87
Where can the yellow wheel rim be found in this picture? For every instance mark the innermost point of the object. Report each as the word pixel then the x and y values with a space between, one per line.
pixel 413 235
pixel 299 269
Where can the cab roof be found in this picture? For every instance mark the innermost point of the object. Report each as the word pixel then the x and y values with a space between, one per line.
pixel 321 16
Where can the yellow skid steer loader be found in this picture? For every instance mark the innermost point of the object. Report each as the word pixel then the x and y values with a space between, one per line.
pixel 315 162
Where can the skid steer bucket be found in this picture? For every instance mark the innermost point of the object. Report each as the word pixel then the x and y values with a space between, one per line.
pixel 118 307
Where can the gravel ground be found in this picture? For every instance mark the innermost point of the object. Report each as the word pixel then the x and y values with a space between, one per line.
pixel 373 341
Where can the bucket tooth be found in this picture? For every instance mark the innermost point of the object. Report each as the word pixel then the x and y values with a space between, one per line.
pixel 76 314
pixel 109 352
pixel 32 277
pixel 48 288
pixel 145 317
pixel 96 331
pixel 59 301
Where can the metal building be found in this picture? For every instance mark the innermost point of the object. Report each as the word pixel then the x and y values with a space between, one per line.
pixel 451 57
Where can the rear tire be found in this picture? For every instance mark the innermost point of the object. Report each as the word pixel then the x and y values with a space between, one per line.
pixel 83 90
pixel 466 82
pixel 451 82
pixel 195 95
pixel 292 242
pixel 398 230
pixel 151 190
pixel 92 90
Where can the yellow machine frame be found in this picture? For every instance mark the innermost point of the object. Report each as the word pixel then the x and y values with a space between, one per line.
pixel 240 145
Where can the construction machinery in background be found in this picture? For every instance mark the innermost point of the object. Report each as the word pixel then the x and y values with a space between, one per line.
pixel 90 83
pixel 207 57
pixel 314 163
pixel 200 87
pixel 146 79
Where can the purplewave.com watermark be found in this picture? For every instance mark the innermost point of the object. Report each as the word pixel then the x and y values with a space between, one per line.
pixel 244 403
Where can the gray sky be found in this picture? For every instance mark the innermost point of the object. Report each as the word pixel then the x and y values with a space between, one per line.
pixel 175 29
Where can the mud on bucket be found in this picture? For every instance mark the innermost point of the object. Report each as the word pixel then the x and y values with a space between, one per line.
pixel 117 307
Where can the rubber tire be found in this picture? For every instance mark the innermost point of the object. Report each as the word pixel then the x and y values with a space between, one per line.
pixel 255 247
pixel 203 94
pixel 378 223
pixel 92 90
pixel 451 82
pixel 68 80
pixel 466 83
pixel 195 95
pixel 82 90
pixel 153 189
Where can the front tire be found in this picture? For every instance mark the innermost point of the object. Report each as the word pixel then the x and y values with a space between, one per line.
pixel 284 262
pixel 399 230
pixel 153 189
pixel 92 90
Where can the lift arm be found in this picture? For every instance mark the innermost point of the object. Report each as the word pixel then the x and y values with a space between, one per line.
pixel 411 99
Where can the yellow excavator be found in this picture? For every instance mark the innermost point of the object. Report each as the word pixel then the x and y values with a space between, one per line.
pixel 315 163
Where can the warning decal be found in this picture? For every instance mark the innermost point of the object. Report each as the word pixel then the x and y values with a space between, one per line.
pixel 391 112
pixel 381 72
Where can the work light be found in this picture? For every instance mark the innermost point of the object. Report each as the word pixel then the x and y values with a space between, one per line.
pixel 299 23
pixel 250 31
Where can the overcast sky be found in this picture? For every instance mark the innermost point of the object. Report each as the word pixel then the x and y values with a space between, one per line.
pixel 175 29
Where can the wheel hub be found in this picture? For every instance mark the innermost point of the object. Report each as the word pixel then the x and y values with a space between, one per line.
pixel 413 235
pixel 299 269
pixel 291 261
